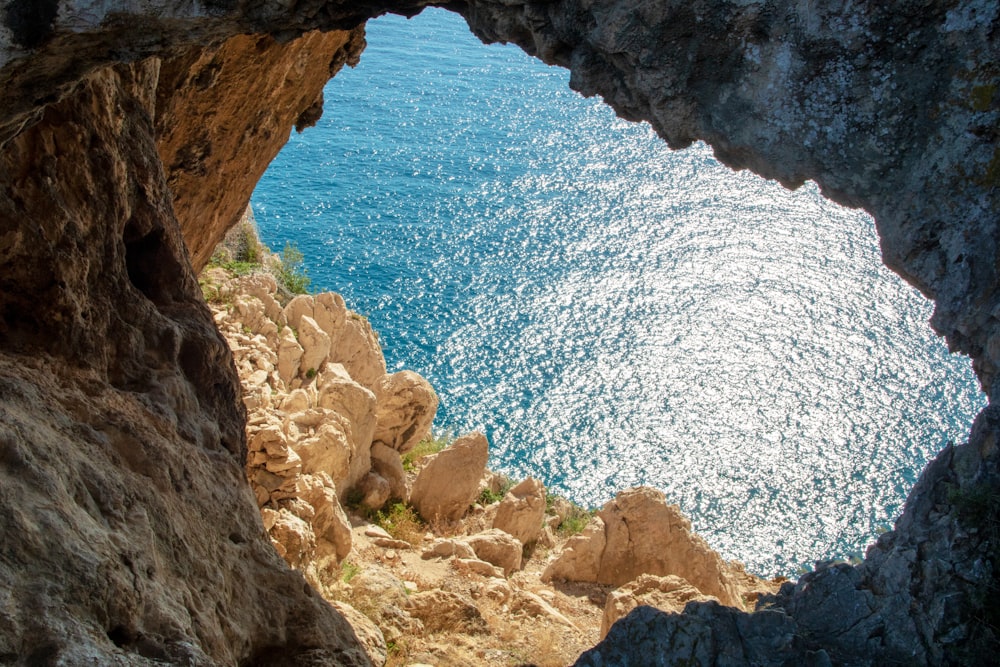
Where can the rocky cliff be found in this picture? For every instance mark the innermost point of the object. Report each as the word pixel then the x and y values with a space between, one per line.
pixel 131 135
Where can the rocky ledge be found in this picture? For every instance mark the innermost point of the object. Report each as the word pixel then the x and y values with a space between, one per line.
pixel 131 137
pixel 429 555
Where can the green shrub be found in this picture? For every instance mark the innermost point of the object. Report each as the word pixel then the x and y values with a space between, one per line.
pixel 348 571
pixel 488 496
pixel 431 445
pixel 290 272
pixel 402 522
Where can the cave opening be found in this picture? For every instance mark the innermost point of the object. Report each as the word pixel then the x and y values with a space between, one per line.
pixel 611 313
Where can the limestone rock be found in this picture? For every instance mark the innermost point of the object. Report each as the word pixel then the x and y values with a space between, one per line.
pixel 367 632
pixel 329 523
pixel 356 347
pixel 499 548
pixel 449 483
pixel 325 441
pixel 446 548
pixel 387 463
pixel 378 584
pixel 533 605
pixel 293 538
pixel 299 307
pixel 522 510
pixel 644 535
pixel 119 146
pixel 477 566
pixel 375 491
pixel 580 558
pixel 315 346
pixel 406 407
pixel 289 355
pixel 329 311
pixel 669 594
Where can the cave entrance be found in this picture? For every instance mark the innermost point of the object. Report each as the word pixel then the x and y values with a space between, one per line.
pixel 612 313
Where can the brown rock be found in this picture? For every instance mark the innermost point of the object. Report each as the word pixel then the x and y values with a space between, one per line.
pixel 253 90
pixel 367 632
pixel 315 347
pixel 356 346
pixel 669 594
pixel 445 548
pixel 293 538
pixel 522 511
pixel 375 491
pixel 447 486
pixel 499 548
pixel 533 605
pixel 406 407
pixel 480 567
pixel 289 355
pixel 329 523
pixel 644 535
pixel 387 463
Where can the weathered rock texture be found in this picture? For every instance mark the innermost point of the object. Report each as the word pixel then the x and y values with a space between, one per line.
pixel 889 106
pixel 638 533
pixel 128 530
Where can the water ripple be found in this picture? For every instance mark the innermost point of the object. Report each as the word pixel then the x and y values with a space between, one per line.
pixel 611 313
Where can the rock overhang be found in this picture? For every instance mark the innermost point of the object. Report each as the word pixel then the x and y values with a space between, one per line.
pixel 890 108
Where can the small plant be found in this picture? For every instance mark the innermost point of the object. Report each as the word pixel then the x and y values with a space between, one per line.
pixel 311 373
pixel 402 522
pixel 248 248
pixel 489 496
pixel 431 445
pixel 240 268
pixel 575 521
pixel 290 272
pixel 348 571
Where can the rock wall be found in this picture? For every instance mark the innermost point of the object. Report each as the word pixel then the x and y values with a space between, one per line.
pixel 129 533
pixel 128 530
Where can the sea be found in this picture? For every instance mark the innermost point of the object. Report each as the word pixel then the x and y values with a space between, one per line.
pixel 612 313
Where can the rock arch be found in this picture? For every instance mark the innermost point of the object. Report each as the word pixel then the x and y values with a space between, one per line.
pixel 130 138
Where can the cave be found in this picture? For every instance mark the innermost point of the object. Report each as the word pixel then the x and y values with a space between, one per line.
pixel 131 140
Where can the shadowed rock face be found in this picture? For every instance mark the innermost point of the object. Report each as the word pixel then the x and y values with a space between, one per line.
pixel 131 137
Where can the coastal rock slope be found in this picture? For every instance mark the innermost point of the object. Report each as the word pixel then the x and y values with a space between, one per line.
pixel 131 136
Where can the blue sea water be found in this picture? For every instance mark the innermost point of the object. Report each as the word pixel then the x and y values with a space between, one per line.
pixel 611 313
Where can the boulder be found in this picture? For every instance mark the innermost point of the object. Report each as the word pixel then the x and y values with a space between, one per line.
pixel 315 347
pixel 446 548
pixel 330 312
pixel 301 305
pixel 580 557
pixel 480 567
pixel 642 534
pixel 406 407
pixel 334 441
pixel 449 483
pixel 387 463
pixel 293 538
pixel 522 511
pixel 367 632
pixel 356 346
pixel 375 491
pixel 289 355
pixel 669 594
pixel 329 523
pixel 497 547
pixel 528 603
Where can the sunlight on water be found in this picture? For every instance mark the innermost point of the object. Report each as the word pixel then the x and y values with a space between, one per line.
pixel 612 313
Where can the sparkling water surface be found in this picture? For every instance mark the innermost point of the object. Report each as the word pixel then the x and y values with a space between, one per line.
pixel 611 313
